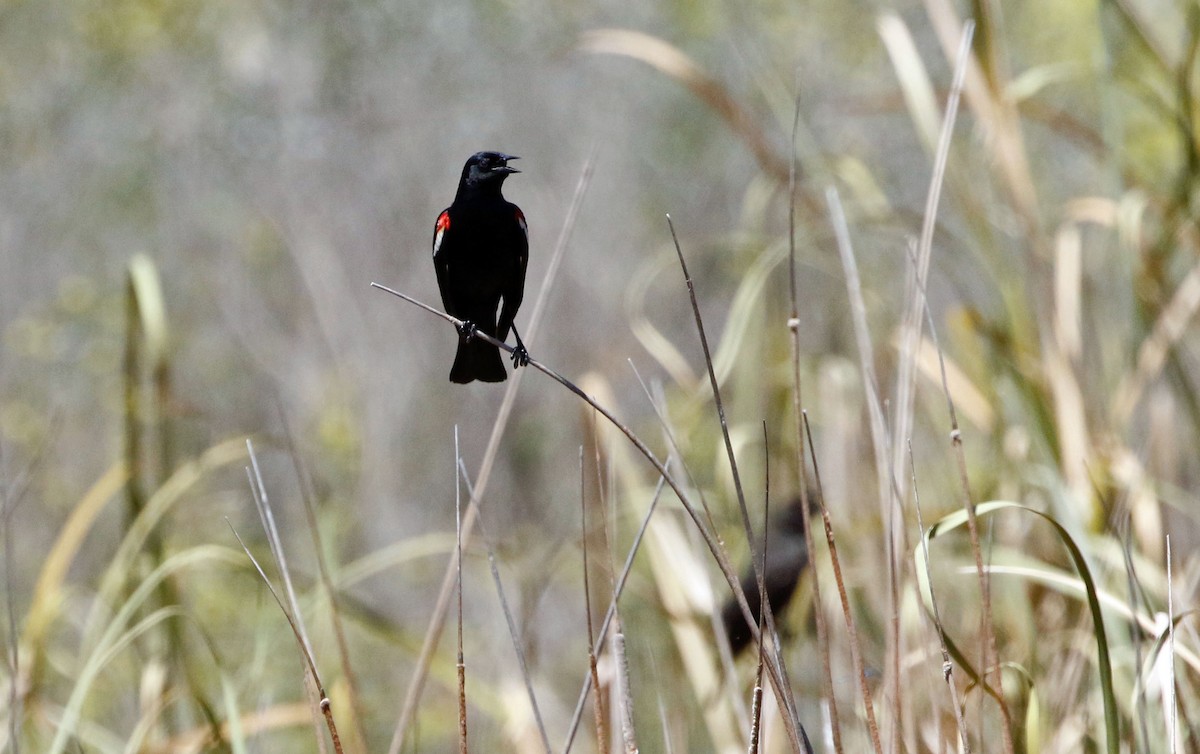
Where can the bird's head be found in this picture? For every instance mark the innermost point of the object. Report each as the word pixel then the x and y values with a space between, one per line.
pixel 487 168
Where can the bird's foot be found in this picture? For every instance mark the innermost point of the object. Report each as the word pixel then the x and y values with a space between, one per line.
pixel 520 357
pixel 467 331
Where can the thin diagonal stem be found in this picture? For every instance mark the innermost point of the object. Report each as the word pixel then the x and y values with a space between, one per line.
pixel 783 689
pixel 718 552
pixel 508 617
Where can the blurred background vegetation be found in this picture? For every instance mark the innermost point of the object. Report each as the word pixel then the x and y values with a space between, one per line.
pixel 197 195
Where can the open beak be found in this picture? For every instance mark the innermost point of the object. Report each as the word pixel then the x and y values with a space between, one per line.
pixel 508 168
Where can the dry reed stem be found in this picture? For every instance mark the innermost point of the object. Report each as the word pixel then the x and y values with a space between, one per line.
pixel 782 687
pixel 848 616
pixel 763 608
pixel 947 663
pixel 985 618
pixel 888 503
pixel 460 665
pixel 965 67
pixel 610 614
pixel 720 405
pixel 756 708
pixel 793 326
pixel 294 617
pixel 308 496
pixel 597 705
pixel 657 403
pixel 1172 720
pixel 997 115
pixel 510 622
pixel 310 664
pixel 624 697
pixel 717 551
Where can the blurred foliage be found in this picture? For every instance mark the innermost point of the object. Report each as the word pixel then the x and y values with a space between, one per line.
pixel 269 160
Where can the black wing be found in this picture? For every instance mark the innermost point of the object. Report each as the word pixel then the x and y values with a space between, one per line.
pixel 514 287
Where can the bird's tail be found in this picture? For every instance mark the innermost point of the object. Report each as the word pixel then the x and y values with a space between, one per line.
pixel 477 360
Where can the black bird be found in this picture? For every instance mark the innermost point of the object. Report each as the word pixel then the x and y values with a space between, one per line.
pixel 787 557
pixel 480 252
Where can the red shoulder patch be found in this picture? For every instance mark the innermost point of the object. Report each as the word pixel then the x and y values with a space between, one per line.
pixel 521 220
pixel 443 223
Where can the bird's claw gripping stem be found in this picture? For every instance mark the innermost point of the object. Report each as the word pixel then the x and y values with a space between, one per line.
pixel 467 331
pixel 520 356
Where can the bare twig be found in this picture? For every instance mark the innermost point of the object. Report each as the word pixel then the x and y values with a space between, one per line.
pixel 793 325
pixel 851 627
pixel 1172 719
pixel 460 665
pixel 507 610
pixel 597 706
pixel 782 689
pixel 612 609
pixel 888 501
pixel 763 608
pixel 301 641
pixel 717 552
pixel 335 617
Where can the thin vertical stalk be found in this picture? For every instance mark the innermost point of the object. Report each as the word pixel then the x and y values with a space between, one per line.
pixel 851 627
pixel 947 663
pixel 308 496
pixel 1172 719
pixel 793 325
pixel 782 688
pixel 460 665
pixel 597 705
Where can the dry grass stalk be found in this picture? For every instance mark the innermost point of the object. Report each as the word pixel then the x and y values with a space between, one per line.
pixel 294 617
pixel 947 663
pixel 793 326
pixel 714 547
pixel 510 622
pixel 610 615
pixel 460 664
pixel 965 67
pixel 764 607
pixel 311 674
pixel 783 689
pixel 359 740
pixel 848 616
pixel 1172 718
pixel 624 695
pixel 594 674
pixel 888 504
